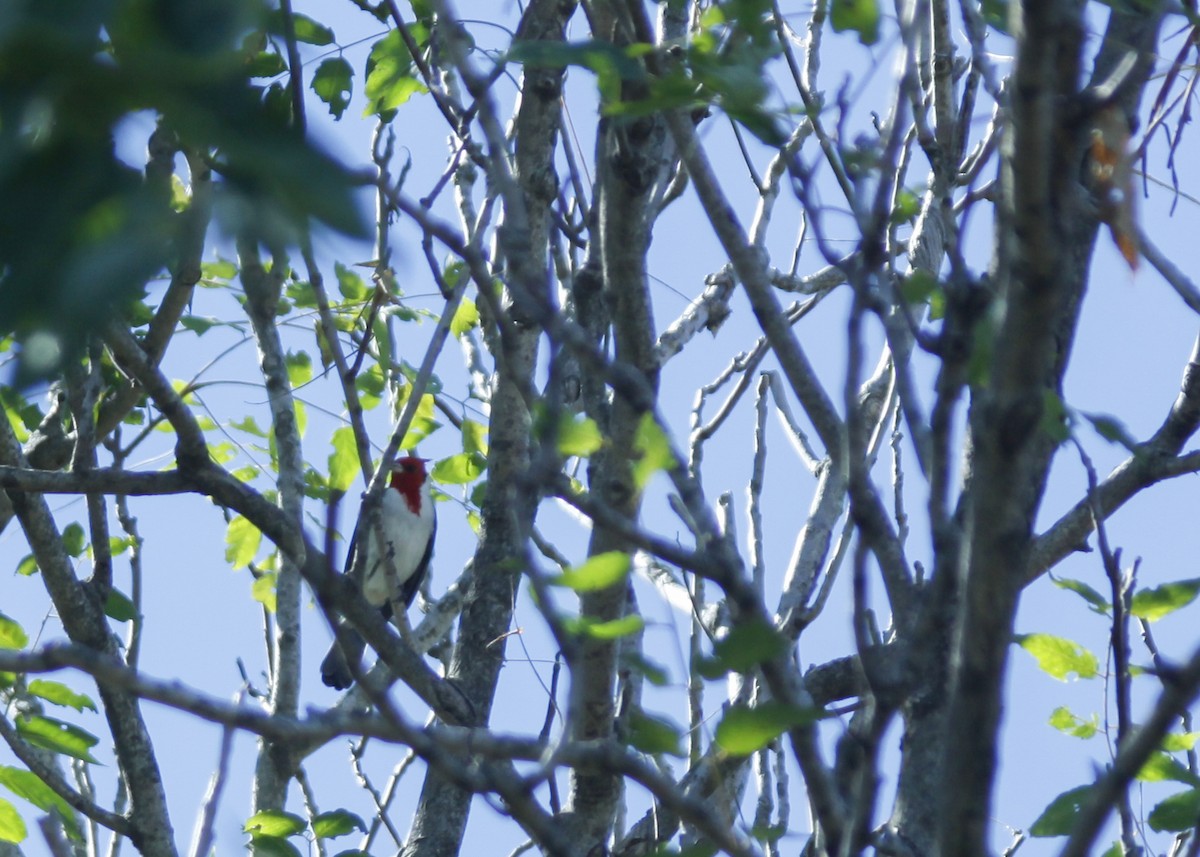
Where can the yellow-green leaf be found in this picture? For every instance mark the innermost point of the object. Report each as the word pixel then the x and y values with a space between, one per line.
pixel 390 78
pixel 578 436
pixel 338 822
pixel 597 572
pixel 264 588
pixel 474 437
pixel 1180 742
pixel 299 368
pixel 861 16
pixel 12 827
pixel 242 539
pixel 423 423
pixel 459 469
pixel 615 629
pixel 343 461
pixel 28 785
pixel 57 735
pixel 744 730
pixel 1161 766
pixel 1153 604
pixel 1097 602
pixel 274 823
pixel 250 426
pixel 370 384
pixel 466 316
pixel 653 450
pixel 1059 657
pixel 12 635
pixel 1071 724
pixel 59 694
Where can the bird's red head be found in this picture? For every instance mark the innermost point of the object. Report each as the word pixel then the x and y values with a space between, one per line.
pixel 408 475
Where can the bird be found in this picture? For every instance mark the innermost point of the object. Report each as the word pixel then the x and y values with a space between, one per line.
pixel 395 564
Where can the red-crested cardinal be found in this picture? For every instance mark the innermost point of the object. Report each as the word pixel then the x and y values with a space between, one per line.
pixel 394 565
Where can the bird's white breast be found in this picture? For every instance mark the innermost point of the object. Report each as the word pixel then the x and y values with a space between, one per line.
pixel 394 558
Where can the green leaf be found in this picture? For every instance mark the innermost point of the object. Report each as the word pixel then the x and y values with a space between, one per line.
pixel 222 269
pixel 453 275
pixel 272 822
pixel 649 733
pixel 199 325
pixel 744 730
pixel 338 822
pixel 242 539
pixel 1111 429
pixel 653 450
pixel 117 545
pixel 74 541
pixel 1176 813
pixel 343 461
pixel 390 79
pixel 27 566
pixel 423 424
pixel 331 83
pixel 273 846
pixel 597 572
pixel 1058 818
pixel 12 635
pixel 265 64
pixel 995 12
pixel 654 673
pixel 460 469
pixel 306 29
pixel 59 694
pixel 1058 656
pixel 1097 602
pixel 1055 422
pixel 585 626
pixel 28 785
pixel 250 426
pixel 1153 604
pixel 749 644
pixel 119 607
pixel 58 736
pixel 609 63
pixel 299 368
pixel 12 827
pixel 1068 723
pixel 352 287
pixel 578 436
pixel 466 317
pixel 370 385
pixel 1161 766
pixel 861 16
pixel 918 287
pixel 264 588
pixel 908 206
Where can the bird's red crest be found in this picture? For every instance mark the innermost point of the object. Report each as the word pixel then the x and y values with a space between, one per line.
pixel 408 475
